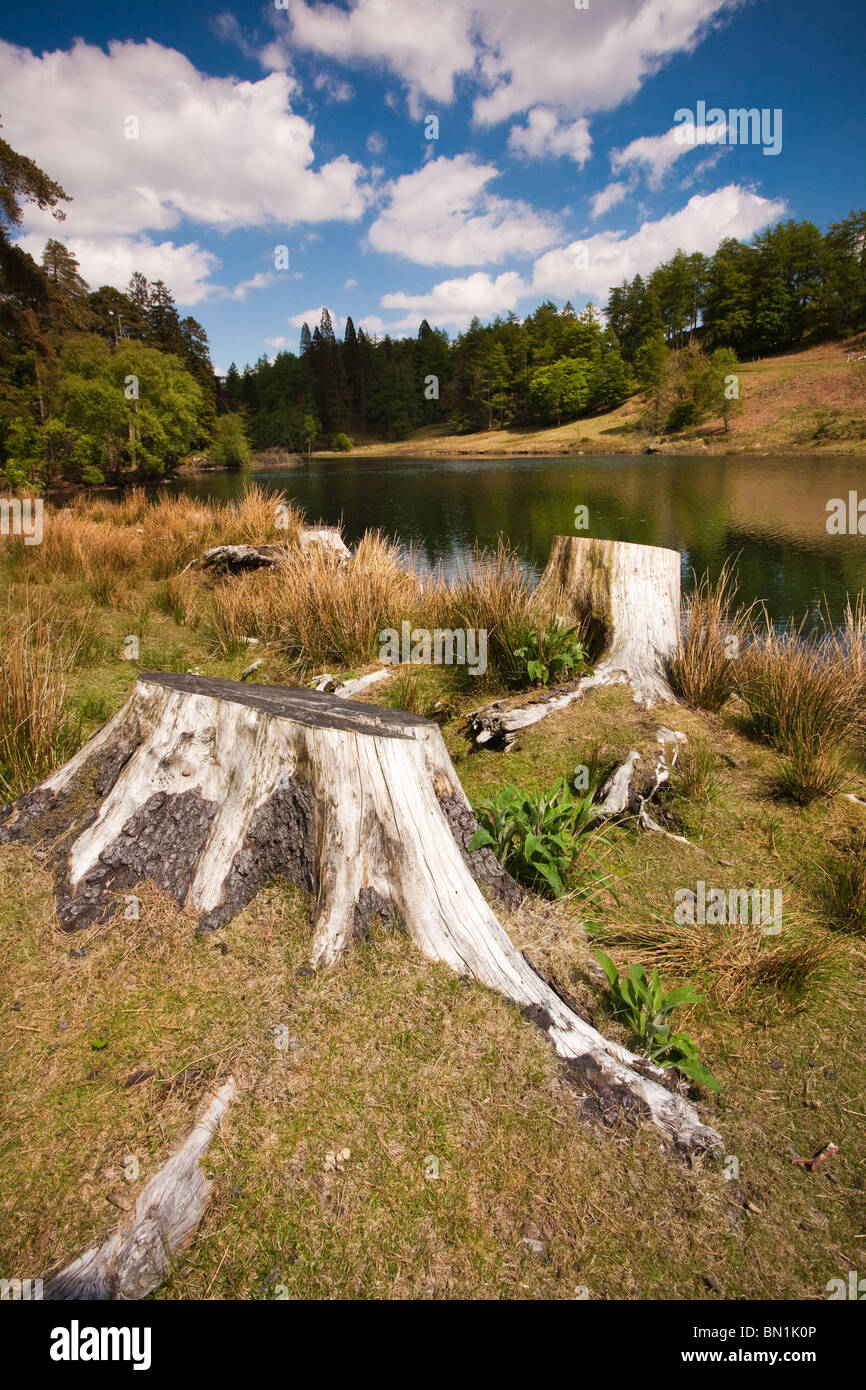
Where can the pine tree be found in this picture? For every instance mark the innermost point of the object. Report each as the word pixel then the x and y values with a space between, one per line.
pixel 62 269
pixel 162 318
pixel 138 291
pixel 26 293
pixel 233 389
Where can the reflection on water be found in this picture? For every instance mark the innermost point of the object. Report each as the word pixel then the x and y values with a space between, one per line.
pixel 772 512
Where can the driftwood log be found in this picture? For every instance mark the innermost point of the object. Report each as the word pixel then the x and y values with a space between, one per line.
pixel 136 1257
pixel 237 559
pixel 210 787
pixel 344 690
pixel 631 594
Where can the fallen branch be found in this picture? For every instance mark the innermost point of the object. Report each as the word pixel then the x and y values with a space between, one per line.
pixel 344 690
pixel 136 1258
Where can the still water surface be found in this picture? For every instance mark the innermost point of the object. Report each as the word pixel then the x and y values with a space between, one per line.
pixel 772 512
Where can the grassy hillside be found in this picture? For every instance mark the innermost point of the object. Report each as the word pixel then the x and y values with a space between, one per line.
pixel 397 1060
pixel 813 401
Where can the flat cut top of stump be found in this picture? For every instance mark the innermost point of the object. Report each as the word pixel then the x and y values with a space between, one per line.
pixel 311 707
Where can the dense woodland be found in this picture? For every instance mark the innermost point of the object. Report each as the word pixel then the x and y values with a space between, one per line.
pixel 791 285
pixel 99 385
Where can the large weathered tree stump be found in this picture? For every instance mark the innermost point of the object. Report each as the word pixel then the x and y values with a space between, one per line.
pixel 210 787
pixel 631 593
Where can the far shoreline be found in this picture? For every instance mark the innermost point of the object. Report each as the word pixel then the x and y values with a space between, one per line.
pixel 372 453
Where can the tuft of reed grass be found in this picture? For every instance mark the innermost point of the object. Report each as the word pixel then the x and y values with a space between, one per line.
pixel 734 962
pixel 407 691
pixel 36 731
pixel 696 777
pixel 802 692
pixel 841 887
pixel 809 774
pixel 104 556
pixel 493 592
pixel 175 530
pixel 177 596
pixel 240 607
pixel 260 515
pixel 105 541
pixel 805 695
pixel 703 669
pixel 326 610
pixel 72 625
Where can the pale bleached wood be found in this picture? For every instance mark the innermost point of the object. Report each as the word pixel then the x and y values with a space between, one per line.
pixel 325 538
pixel 345 690
pixel 136 1257
pixel 227 783
pixel 633 784
pixel 236 559
pixel 634 592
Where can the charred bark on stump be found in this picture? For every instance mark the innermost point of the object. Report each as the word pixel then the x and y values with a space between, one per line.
pixel 209 787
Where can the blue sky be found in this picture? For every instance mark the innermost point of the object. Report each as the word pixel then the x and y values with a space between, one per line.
pixel 196 144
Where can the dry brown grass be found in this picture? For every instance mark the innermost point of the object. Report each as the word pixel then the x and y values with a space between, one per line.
pixel 805 694
pixel 327 611
pixel 104 556
pixel 260 514
pixel 106 543
pixel 703 669
pixel 177 596
pixel 232 609
pixel 177 529
pixel 38 647
pixel 735 963
pixel 494 592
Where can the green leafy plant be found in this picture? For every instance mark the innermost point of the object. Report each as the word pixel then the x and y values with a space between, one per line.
pixel 536 837
pixel 553 652
pixel 645 1008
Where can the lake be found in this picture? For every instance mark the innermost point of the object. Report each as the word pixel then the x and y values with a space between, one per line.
pixel 771 511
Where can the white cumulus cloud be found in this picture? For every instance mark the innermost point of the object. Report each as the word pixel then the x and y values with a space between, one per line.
pixel 655 154
pixel 515 54
pixel 111 260
pixel 455 302
pixel 611 257
pixel 545 136
pixel 208 149
pixel 442 214
pixel 607 198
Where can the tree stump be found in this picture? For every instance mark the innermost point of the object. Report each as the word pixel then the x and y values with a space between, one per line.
pixel 628 593
pixel 211 787
pixel 633 592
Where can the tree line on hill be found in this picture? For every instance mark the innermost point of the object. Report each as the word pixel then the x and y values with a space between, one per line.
pixel 675 334
pixel 103 385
